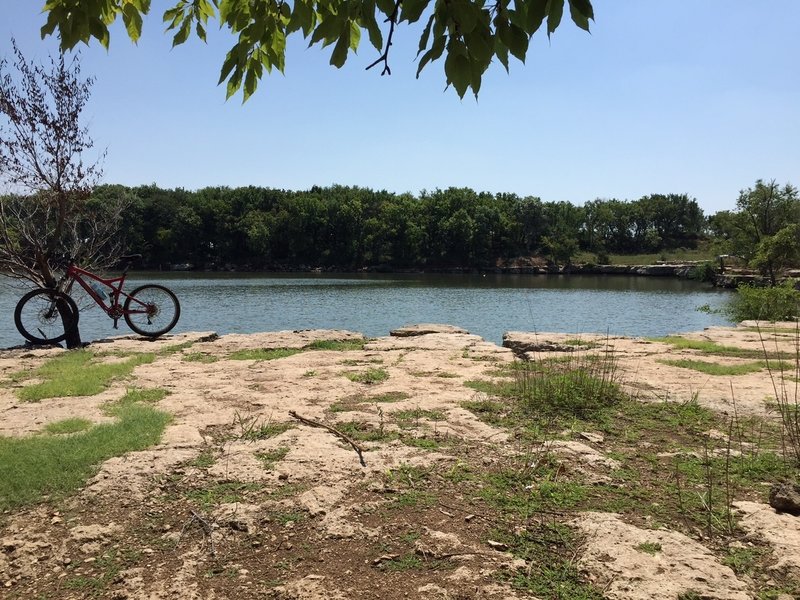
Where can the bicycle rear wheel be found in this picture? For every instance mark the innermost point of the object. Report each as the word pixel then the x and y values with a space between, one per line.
pixel 45 316
pixel 151 310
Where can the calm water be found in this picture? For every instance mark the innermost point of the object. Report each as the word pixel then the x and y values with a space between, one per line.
pixel 374 304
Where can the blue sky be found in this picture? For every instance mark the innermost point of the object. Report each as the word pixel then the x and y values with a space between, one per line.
pixel 701 98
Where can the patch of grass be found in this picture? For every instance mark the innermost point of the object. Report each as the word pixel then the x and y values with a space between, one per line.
pixel 414 499
pixel 407 562
pixel 310 373
pixel 337 345
pixel 263 353
pixel 175 348
pixel 204 460
pixel 715 368
pixel 460 471
pixel 270 457
pixel 390 397
pixel 135 394
pixel 294 516
pixel 505 389
pixel 32 467
pixel 411 417
pixel 370 376
pixel 744 561
pixel 221 493
pixel 78 373
pixel 199 357
pixel 408 473
pixel 366 433
pixel 649 548
pixel 489 411
pixel 573 385
pixel 706 347
pixel 251 429
pixel 423 443
pixel 550 549
pixel 73 425
pixel 288 491
pixel 578 342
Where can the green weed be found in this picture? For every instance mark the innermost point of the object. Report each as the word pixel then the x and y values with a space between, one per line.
pixel 706 347
pixel 32 467
pixel 649 547
pixel 264 353
pixel 337 345
pixel 370 376
pixel 221 493
pixel 270 457
pixel 412 417
pixel 200 357
pixel 73 425
pixel 715 368
pixel 78 373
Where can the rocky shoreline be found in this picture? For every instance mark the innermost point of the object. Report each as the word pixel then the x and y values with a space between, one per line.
pixel 240 499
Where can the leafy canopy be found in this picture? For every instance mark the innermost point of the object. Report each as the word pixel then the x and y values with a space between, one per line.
pixel 469 34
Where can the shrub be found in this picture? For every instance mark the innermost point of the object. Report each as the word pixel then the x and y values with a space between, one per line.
pixel 778 303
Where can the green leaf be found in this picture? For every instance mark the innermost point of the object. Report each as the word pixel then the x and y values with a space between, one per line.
pixel 479 47
pixel 183 32
pixel 426 34
pixel 555 10
pixel 133 22
pixel 464 15
pixel 537 10
pixel 433 54
pixel 250 83
pixel 386 6
pixel 581 12
pixel 327 31
pixel 476 72
pixel 518 43
pixel 458 72
pixel 200 30
pixel 501 51
pixel 339 55
pixel 234 83
pixel 411 10
pixel 228 65
pixel 355 36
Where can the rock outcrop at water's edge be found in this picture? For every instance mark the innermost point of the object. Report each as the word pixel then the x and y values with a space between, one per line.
pixel 240 500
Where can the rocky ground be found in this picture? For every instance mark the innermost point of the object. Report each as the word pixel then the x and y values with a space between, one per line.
pixel 241 499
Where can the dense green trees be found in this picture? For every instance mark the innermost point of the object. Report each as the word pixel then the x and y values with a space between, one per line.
pixel 468 34
pixel 764 229
pixel 350 227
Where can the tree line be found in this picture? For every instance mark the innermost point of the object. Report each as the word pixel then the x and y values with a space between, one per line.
pixel 353 227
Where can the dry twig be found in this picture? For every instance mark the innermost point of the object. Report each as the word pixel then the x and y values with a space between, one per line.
pixel 311 423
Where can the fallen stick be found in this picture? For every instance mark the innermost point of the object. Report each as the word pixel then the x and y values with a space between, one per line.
pixel 334 431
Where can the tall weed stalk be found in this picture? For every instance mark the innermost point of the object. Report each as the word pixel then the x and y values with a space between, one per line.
pixel 785 387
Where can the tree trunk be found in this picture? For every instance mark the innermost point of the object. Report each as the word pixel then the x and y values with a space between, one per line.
pixel 70 320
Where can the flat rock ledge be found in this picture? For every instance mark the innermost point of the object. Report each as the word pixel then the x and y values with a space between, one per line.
pixel 425 329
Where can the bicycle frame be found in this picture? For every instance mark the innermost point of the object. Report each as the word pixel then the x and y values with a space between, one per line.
pixel 114 308
pixel 115 284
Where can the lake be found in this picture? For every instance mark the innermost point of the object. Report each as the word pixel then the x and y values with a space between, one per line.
pixel 374 304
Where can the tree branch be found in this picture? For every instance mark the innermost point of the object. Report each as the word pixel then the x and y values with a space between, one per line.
pixel 392 19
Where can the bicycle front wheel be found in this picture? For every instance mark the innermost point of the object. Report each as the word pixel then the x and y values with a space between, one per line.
pixel 151 310
pixel 45 316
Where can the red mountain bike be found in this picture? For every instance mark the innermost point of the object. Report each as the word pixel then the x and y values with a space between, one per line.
pixel 45 316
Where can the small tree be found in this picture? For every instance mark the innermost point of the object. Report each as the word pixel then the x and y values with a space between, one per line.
pixel 47 211
pixel 768 218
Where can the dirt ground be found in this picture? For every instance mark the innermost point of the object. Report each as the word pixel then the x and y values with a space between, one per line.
pixel 240 499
